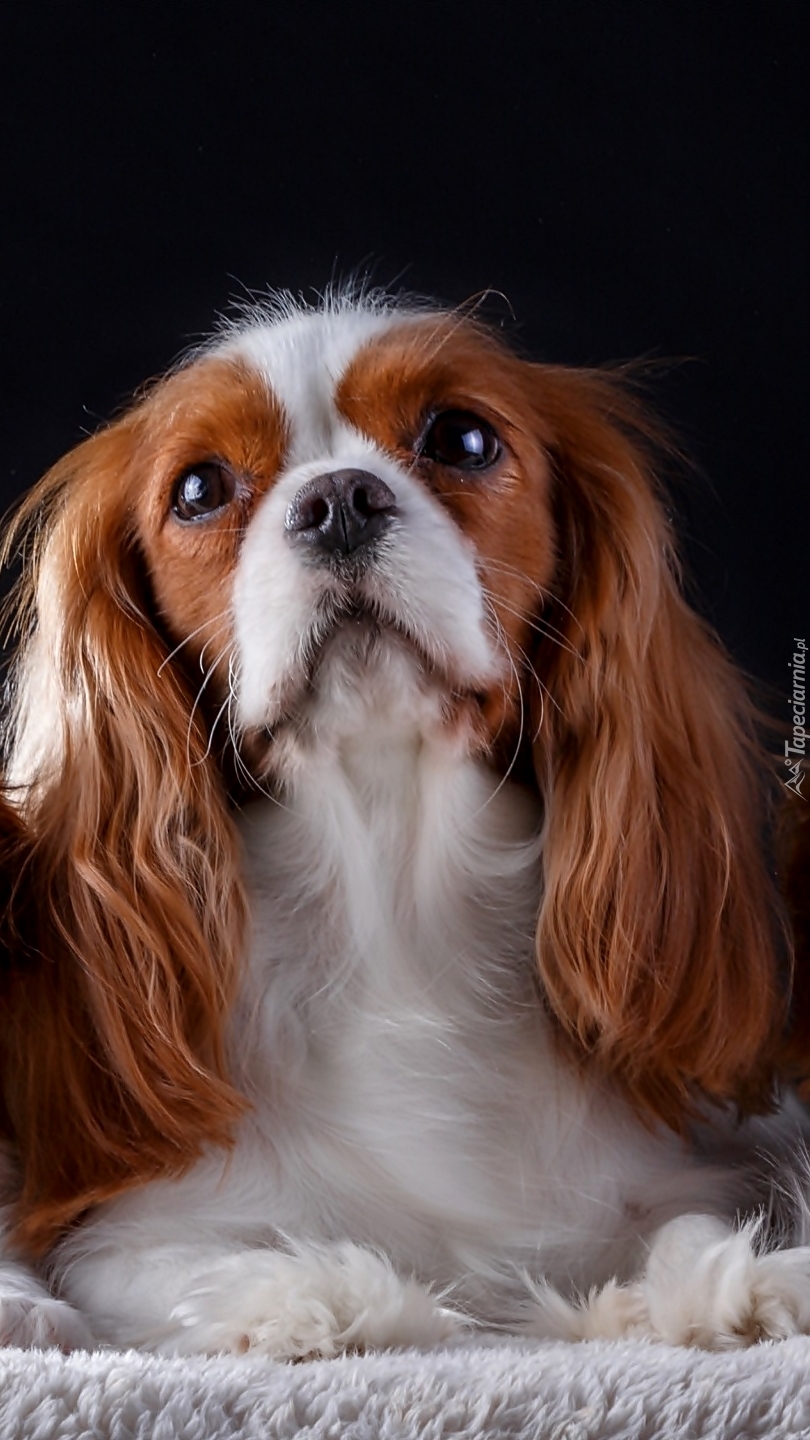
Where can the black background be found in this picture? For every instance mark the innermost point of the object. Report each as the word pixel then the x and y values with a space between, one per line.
pixel 630 176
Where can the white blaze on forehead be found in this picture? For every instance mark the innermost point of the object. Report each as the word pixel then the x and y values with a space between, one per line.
pixel 302 358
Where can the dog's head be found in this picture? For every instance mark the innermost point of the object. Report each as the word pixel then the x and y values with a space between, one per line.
pixel 367 499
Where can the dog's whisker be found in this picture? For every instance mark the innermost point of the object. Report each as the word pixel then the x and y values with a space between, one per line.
pixel 205 624
pixel 212 669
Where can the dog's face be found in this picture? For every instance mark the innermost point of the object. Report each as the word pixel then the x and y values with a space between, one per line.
pixel 336 490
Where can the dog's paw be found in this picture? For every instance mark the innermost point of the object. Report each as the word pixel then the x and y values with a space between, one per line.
pixel 706 1285
pixel 38 1322
pixel 315 1301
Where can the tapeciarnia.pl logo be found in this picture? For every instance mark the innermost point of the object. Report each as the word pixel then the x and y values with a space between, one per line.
pixel 795 751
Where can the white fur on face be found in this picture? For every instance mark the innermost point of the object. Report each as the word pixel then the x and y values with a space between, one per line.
pixel 420 580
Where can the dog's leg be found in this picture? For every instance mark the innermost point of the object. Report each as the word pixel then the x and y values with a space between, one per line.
pixel 305 1300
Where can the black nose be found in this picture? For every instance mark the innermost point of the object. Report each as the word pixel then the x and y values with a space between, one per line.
pixel 340 511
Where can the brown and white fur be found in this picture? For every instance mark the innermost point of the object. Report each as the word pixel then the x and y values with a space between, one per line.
pixel 400 948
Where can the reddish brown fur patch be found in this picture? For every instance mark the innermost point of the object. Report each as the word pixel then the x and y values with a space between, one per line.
pixel 217 410
pixel 389 393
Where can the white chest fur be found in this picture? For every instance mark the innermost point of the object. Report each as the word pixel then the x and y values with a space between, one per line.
pixel 407 1086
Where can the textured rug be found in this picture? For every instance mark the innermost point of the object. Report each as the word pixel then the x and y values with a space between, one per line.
pixel 474 1391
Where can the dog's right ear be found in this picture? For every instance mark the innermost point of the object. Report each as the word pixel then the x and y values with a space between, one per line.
pixel 126 910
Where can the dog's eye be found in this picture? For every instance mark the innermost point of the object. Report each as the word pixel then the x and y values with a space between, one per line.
pixel 460 439
pixel 202 490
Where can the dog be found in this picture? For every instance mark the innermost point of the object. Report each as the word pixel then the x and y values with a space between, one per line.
pixel 395 946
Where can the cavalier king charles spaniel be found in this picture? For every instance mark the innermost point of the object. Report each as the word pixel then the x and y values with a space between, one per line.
pixel 391 947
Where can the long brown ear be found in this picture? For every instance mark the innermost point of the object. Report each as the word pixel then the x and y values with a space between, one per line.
pixel 657 941
pixel 130 908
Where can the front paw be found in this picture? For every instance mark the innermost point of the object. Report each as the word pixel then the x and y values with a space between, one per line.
pixel 709 1286
pixel 315 1301
pixel 38 1322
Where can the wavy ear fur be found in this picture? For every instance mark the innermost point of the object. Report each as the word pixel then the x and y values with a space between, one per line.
pixel 129 911
pixel 658 940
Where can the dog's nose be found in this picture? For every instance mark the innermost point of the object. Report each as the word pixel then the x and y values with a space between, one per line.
pixel 340 511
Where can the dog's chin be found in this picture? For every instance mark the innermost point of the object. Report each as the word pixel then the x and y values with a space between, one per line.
pixel 366 655
pixel 364 673
pixel 356 634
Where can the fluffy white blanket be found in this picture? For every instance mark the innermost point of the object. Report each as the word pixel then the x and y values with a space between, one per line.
pixel 482 1390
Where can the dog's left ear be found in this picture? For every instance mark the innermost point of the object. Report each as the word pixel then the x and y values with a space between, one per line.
pixel 658 940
